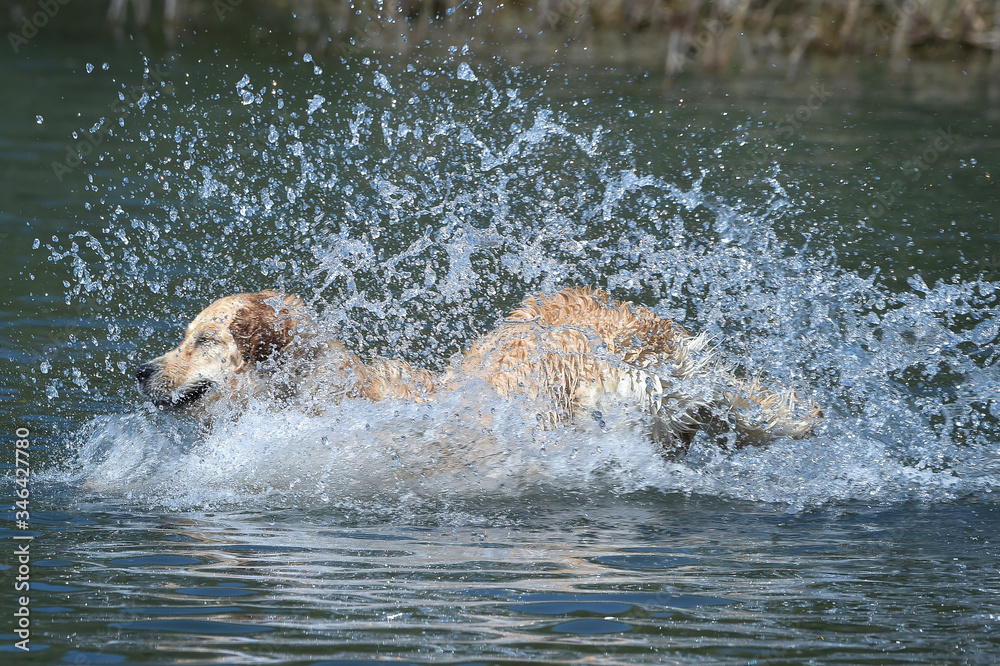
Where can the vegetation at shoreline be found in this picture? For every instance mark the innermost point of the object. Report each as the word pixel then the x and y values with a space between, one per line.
pixel 706 34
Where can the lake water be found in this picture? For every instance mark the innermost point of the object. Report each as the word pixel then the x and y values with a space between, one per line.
pixel 839 230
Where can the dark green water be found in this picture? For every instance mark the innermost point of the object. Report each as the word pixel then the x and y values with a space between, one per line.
pixel 839 230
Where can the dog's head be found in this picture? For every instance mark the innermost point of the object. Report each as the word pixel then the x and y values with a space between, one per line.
pixel 228 344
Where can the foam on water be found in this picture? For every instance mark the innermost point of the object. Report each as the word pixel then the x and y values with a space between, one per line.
pixel 398 453
pixel 411 208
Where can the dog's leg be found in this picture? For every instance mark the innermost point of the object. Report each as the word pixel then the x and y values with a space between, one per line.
pixel 758 414
pixel 686 400
pixel 673 444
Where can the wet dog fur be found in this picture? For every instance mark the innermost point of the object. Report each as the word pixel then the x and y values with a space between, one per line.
pixel 562 356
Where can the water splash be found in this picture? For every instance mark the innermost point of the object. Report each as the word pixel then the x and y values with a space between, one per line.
pixel 411 213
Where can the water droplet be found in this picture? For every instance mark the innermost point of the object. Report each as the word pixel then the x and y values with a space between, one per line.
pixel 315 103
pixel 985 332
pixel 382 82
pixel 39 120
pixel 465 72
pixel 90 68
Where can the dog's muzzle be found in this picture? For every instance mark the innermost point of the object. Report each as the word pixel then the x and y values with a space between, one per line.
pixel 146 377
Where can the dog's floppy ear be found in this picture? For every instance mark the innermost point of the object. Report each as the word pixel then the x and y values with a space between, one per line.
pixel 259 331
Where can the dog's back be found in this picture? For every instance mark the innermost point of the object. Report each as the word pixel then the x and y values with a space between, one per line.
pixel 576 350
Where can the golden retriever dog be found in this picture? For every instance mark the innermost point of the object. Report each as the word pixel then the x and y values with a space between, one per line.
pixel 563 356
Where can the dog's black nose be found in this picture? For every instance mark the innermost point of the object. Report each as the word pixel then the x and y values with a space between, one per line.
pixel 144 371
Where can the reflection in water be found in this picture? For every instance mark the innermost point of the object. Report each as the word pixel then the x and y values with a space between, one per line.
pixel 530 581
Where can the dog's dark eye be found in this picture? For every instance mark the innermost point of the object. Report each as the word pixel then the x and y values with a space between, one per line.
pixel 204 340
